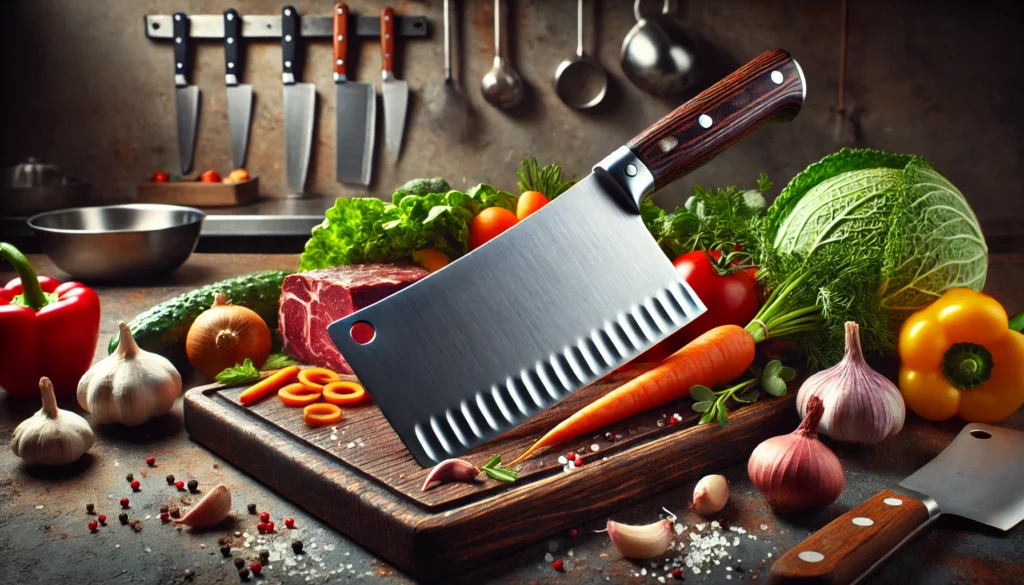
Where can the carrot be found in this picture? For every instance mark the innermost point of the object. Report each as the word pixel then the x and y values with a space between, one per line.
pixel 344 393
pixel 298 395
pixel 320 414
pixel 317 378
pixel 716 357
pixel 268 385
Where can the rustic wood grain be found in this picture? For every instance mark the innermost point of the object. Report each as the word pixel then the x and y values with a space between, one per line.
pixel 199 194
pixel 372 492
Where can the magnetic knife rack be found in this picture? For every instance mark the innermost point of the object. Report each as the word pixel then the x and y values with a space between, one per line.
pixel 211 26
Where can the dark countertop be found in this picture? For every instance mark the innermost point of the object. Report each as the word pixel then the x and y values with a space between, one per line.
pixel 44 536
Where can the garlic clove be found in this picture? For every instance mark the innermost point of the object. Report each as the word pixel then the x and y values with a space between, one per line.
pixel 710 495
pixel 51 436
pixel 448 471
pixel 641 542
pixel 211 510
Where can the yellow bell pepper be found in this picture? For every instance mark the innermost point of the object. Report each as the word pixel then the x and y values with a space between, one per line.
pixel 960 358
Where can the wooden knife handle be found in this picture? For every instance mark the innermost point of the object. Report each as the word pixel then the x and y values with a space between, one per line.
pixel 770 88
pixel 232 47
pixel 852 545
pixel 182 29
pixel 340 41
pixel 289 45
pixel 387 40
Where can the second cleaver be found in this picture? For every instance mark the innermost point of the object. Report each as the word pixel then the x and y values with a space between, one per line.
pixel 355 112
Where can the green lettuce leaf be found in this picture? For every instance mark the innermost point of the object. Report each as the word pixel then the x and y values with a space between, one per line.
pixel 486 196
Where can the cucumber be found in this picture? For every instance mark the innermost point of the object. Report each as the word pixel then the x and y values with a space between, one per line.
pixel 162 329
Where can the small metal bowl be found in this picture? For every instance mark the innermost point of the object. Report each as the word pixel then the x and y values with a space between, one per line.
pixel 118 242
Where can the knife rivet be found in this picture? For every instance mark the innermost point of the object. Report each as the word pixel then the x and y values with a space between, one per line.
pixel 287 12
pixel 387 36
pixel 288 38
pixel 387 18
pixel 811 556
pixel 861 521
pixel 704 120
pixel 893 501
pixel 231 65
pixel 631 170
pixel 777 77
pixel 341 61
pixel 230 16
pixel 177 40
pixel 340 11
pixel 230 40
pixel 287 63
pixel 179 65
pixel 177 17
pixel 341 38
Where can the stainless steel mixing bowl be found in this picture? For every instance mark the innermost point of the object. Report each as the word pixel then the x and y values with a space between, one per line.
pixel 118 242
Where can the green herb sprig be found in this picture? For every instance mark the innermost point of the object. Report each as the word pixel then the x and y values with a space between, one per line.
pixel 548 180
pixel 714 404
pixel 246 371
pixel 494 470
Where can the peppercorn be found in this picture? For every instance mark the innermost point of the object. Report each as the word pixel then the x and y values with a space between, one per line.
pixel 93 526
pixel 265 517
pixel 239 562
pixel 252 508
pixel 151 461
pixel 677 573
pixel 261 528
pixel 289 522
pixel 270 527
pixel 136 485
pixel 193 486
pixel 89 508
pixel 573 532
pixel 243 574
pixel 122 518
pixel 164 508
pixel 179 484
pixel 175 512
pixel 102 519
pixel 297 546
pixel 557 565
pixel 225 550
pixel 170 479
pixel 256 568
pixel 124 503
pixel 165 517
pixel 264 556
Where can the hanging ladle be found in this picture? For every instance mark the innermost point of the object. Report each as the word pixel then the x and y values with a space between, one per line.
pixel 580 80
pixel 658 55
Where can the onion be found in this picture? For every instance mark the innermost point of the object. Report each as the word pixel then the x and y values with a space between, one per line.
pixel 225 335
pixel 797 472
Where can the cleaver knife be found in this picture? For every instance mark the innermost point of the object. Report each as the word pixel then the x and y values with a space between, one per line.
pixel 299 104
pixel 978 476
pixel 355 113
pixel 394 90
pixel 560 299
pixel 186 97
pixel 239 96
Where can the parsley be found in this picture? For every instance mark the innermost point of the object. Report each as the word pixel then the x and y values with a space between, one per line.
pixel 494 470
pixel 247 372
pixel 714 405
pixel 547 180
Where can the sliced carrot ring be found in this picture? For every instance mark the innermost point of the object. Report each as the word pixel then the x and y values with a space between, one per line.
pixel 298 394
pixel 344 393
pixel 317 378
pixel 320 414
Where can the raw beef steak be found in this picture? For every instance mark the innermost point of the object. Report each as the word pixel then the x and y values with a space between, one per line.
pixel 310 301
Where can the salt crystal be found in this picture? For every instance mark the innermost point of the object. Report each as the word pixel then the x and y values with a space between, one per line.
pixel 147 549
pixel 728 568
pixel 715 524
pixel 148 516
pixel 769 555
pixel 571 465
pixel 549 558
pixel 334 437
pixel 661 579
pixel 349 566
pixel 39 507
pixel 696 570
pixel 729 577
pixel 736 541
pixel 117 546
pixel 764 527
pixel 700 527
pixel 116 464
pixel 362 444
pixel 643 571
pixel 570 553
pixel 562 460
pixel 594 448
pixel 351 445
pixel 329 547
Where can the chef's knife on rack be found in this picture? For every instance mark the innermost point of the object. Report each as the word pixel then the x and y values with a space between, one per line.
pixel 355 113
pixel 395 91
pixel 978 476
pixel 561 298
pixel 299 105
pixel 186 97
pixel 239 96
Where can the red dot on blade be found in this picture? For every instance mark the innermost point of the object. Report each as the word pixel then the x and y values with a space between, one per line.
pixel 362 332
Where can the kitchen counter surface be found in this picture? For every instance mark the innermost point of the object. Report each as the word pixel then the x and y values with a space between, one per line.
pixel 44 537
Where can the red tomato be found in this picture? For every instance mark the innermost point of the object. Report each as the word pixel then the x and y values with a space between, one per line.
pixel 488 224
pixel 730 300
pixel 160 177
pixel 529 202
pixel 210 177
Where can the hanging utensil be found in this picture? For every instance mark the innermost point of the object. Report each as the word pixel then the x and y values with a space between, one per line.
pixel 502 87
pixel 449 110
pixel 658 55
pixel 299 105
pixel 580 80
pixel 394 90
pixel 239 95
pixel 186 96
pixel 355 113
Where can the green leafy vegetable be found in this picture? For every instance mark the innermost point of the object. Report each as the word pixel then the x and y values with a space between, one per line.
pixel 915 229
pixel 714 405
pixel 420 187
pixel 239 374
pixel 486 196
pixel 547 180
pixel 494 470
pixel 276 361
pixel 1017 322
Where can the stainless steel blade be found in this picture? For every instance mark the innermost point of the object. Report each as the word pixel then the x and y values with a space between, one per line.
pixel 239 117
pixel 299 105
pixel 355 122
pixel 396 101
pixel 549 306
pixel 978 476
pixel 186 103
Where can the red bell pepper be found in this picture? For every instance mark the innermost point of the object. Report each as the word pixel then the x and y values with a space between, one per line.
pixel 46 329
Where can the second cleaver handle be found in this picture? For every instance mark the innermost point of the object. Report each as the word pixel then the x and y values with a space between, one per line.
pixel 768 89
pixel 852 545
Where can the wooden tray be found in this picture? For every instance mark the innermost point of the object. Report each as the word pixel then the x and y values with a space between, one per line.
pixel 371 490
pixel 199 194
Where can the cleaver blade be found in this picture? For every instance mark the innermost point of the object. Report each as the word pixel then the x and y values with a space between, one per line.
pixel 978 476
pixel 239 95
pixel 299 106
pixel 355 114
pixel 186 96
pixel 567 295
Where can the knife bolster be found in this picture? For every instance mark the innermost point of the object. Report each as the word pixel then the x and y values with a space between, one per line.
pixel 631 174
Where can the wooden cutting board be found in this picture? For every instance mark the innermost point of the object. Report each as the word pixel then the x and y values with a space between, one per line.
pixel 360 479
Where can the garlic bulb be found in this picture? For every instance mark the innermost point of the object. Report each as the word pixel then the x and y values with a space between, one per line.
pixel 861 405
pixel 129 386
pixel 642 542
pixel 51 436
pixel 710 495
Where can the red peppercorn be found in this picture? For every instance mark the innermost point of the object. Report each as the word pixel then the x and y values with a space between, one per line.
pixel 677 573
pixel 180 485
pixel 135 485
pixel 165 516
pixel 265 517
pixel 557 565
pixel 579 461
pixel 102 519
pixel 270 527
pixel 151 461
pixel 289 522
pixel 93 525
pixel 261 528
pixel 124 503
pixel 256 568
pixel 571 455
pixel 573 532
